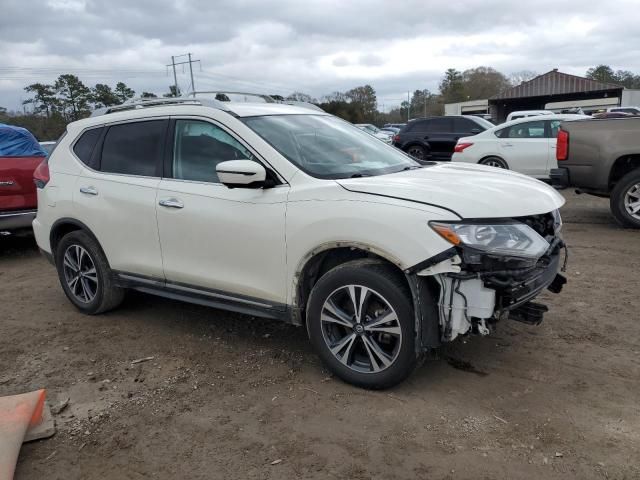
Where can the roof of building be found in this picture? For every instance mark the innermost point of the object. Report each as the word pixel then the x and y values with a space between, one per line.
pixel 555 83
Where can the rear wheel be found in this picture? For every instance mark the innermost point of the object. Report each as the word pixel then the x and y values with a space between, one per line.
pixel 418 152
pixel 494 162
pixel 360 322
pixel 625 200
pixel 85 275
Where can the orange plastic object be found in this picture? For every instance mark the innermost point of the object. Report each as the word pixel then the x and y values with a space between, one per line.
pixel 19 415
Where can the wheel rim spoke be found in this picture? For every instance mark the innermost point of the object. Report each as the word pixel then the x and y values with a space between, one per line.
pixel 375 351
pixel 338 315
pixel 390 316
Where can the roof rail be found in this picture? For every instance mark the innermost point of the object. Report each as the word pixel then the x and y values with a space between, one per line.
pixel 265 97
pixel 137 103
pixel 196 94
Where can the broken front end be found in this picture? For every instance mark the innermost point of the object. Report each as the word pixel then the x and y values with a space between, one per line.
pixel 493 271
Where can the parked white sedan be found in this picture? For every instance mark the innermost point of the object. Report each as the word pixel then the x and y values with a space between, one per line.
pixel 526 145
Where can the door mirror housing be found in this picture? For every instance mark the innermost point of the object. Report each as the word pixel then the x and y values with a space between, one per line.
pixel 241 174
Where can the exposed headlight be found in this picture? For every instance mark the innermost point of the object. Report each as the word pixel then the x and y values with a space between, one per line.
pixel 506 239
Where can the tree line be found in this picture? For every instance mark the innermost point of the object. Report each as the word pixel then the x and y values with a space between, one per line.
pixel 52 106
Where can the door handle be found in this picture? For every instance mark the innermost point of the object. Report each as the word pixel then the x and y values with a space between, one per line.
pixel 171 203
pixel 7 183
pixel 507 144
pixel 89 190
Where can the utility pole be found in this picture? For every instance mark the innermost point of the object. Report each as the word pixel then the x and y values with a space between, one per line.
pixel 193 86
pixel 190 62
pixel 408 105
pixel 175 78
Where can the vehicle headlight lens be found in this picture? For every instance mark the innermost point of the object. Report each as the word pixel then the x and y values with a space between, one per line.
pixel 507 239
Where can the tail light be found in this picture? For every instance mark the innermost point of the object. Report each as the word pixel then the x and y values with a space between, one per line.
pixel 562 145
pixel 41 174
pixel 396 138
pixel 460 147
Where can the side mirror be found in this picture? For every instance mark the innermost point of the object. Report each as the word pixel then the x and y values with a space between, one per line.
pixel 241 174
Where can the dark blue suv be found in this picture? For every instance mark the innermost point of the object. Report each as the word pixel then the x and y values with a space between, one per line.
pixel 434 138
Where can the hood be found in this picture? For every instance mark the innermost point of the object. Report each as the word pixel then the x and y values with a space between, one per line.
pixel 471 191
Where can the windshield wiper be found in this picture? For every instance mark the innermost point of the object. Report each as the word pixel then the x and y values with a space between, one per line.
pixel 412 167
pixel 359 175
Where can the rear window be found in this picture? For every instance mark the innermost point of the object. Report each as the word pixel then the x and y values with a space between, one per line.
pixel 85 144
pixel 134 148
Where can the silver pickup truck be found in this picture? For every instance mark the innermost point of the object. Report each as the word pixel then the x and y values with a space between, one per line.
pixel 602 157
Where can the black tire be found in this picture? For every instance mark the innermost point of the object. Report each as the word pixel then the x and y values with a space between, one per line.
pixel 418 152
pixel 624 192
pixel 384 284
pixel 91 301
pixel 496 162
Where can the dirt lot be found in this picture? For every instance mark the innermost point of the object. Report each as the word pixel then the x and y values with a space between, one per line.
pixel 227 395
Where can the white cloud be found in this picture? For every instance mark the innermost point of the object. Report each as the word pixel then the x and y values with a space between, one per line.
pixel 316 46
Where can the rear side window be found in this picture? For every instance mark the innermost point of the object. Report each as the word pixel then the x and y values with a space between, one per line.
pixel 419 127
pixel 85 144
pixel 464 125
pixel 134 148
pixel 441 125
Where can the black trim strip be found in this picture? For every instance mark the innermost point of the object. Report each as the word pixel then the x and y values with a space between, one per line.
pixel 248 174
pixel 440 257
pixel 203 296
pixel 405 199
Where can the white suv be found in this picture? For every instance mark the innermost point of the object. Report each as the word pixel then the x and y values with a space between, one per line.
pixel 289 213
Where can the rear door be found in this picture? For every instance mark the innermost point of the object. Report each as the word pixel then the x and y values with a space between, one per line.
pixel 441 138
pixel 115 194
pixel 525 147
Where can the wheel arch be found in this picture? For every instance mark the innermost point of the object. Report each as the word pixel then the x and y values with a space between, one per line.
pixel 66 225
pixel 621 167
pixel 322 259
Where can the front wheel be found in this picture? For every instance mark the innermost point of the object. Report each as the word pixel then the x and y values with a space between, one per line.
pixel 625 200
pixel 360 322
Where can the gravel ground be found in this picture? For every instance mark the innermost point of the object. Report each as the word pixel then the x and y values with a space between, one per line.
pixel 230 396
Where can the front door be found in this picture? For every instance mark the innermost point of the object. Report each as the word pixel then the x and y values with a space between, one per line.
pixel 229 240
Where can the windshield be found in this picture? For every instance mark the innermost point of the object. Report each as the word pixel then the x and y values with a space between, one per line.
pixel 484 122
pixel 327 147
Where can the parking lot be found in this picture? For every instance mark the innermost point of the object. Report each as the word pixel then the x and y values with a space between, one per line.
pixel 230 396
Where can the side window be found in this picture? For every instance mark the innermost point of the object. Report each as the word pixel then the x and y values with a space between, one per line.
pixel 84 146
pixel 526 130
pixel 441 125
pixel 133 148
pixel 554 126
pixel 419 127
pixel 464 125
pixel 200 146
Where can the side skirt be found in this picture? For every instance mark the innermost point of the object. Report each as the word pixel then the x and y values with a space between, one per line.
pixel 205 297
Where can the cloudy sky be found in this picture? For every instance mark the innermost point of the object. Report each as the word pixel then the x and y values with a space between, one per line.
pixel 314 46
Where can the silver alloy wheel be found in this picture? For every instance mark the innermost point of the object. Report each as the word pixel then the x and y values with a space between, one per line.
pixel 490 162
pixel 80 273
pixel 361 329
pixel 632 201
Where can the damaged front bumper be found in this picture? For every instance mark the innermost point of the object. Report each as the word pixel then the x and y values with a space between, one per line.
pixel 472 298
